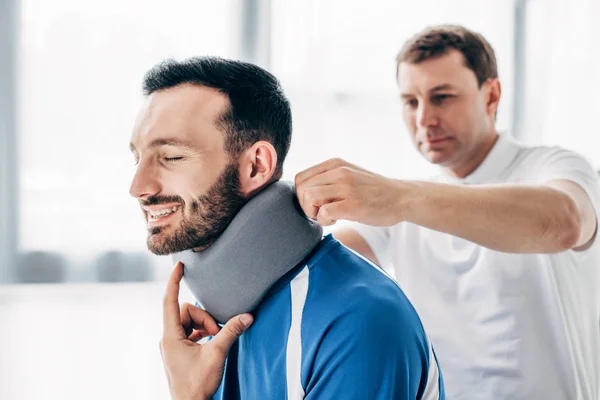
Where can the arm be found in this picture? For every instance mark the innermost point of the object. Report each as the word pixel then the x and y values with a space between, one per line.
pixel 546 218
pixel 549 218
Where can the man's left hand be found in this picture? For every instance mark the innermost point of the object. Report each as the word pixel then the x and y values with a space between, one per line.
pixel 336 190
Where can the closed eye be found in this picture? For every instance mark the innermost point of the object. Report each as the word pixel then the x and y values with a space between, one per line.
pixel 172 159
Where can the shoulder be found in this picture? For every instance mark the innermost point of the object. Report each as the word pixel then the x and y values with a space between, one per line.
pixel 543 163
pixel 547 155
pixel 358 326
pixel 349 273
pixel 345 290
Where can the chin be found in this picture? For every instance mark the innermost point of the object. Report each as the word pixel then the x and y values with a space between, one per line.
pixel 437 158
pixel 158 245
pixel 157 248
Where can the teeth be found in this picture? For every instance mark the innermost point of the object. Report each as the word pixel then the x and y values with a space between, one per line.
pixel 160 213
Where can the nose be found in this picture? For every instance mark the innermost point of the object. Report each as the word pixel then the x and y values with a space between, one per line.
pixel 426 116
pixel 145 182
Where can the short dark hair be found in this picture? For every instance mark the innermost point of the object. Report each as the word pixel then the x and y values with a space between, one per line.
pixel 436 41
pixel 258 108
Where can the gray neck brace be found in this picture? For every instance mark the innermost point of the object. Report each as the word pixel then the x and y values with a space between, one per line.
pixel 266 239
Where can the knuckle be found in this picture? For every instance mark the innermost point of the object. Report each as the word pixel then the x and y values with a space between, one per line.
pixel 235 331
pixel 340 174
pixel 308 196
pixel 322 221
pixel 337 161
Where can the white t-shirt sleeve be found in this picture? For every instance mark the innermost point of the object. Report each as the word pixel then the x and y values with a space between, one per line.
pixel 378 239
pixel 562 164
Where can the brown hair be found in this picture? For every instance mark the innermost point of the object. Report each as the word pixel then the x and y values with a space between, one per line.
pixel 436 41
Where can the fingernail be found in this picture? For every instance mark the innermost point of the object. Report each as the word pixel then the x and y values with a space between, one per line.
pixel 246 319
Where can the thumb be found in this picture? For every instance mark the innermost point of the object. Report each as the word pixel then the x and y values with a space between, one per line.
pixel 232 330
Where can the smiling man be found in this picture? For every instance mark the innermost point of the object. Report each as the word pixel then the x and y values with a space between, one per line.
pixel 210 143
pixel 187 184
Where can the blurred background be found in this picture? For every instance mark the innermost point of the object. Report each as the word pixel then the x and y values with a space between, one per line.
pixel 80 296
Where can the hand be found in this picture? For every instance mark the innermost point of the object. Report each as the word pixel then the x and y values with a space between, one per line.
pixel 194 371
pixel 337 190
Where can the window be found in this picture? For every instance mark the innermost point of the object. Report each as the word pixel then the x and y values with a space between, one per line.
pixel 561 75
pixel 336 60
pixel 80 90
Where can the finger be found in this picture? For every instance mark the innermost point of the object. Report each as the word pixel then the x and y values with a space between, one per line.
pixel 332 177
pixel 193 317
pixel 330 213
pixel 232 330
pixel 199 335
pixel 334 184
pixel 171 316
pixel 185 319
pixel 319 195
pixel 318 169
pixel 325 222
pixel 184 315
pixel 314 197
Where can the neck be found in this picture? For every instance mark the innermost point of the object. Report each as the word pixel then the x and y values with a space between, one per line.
pixel 475 159
pixel 267 238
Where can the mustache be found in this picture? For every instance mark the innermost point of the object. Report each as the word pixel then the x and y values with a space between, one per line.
pixel 156 200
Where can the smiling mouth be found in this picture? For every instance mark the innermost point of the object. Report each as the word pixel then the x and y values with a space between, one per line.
pixel 163 213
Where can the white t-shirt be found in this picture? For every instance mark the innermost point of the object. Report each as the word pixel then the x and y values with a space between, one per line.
pixel 505 326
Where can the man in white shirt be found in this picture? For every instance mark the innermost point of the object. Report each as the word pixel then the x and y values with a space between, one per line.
pixel 498 254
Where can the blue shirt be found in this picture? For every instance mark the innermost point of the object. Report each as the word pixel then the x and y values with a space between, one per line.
pixel 334 327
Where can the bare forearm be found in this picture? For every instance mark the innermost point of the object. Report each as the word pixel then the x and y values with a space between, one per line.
pixel 508 218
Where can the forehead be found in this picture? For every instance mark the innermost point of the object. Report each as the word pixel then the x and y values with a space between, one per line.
pixel 447 69
pixel 185 112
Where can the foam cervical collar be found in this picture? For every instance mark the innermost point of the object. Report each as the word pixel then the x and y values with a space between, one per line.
pixel 267 238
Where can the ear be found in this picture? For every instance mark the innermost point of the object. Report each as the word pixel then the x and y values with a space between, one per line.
pixel 257 166
pixel 493 92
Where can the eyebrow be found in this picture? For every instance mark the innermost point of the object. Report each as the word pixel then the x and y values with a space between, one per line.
pixel 445 86
pixel 438 88
pixel 165 142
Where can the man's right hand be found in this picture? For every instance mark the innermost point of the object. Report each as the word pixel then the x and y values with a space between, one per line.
pixel 337 190
pixel 194 371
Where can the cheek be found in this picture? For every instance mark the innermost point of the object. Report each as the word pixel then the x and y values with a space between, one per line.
pixel 410 120
pixel 457 117
pixel 180 183
pixel 201 180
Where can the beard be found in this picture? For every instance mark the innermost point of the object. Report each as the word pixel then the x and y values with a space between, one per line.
pixel 209 216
